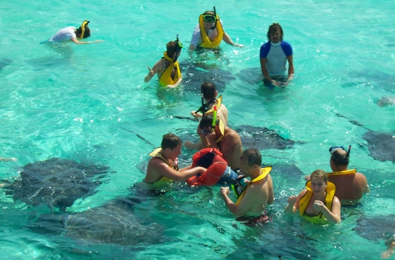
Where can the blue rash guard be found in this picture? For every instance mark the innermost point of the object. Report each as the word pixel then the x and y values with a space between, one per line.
pixel 276 55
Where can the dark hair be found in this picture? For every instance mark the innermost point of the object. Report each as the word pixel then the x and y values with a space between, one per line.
pixel 87 32
pixel 172 49
pixel 319 174
pixel 206 121
pixel 339 159
pixel 274 28
pixel 170 141
pixel 209 12
pixel 208 90
pixel 253 156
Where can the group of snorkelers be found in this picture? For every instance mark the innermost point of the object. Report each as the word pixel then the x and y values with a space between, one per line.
pixel 221 159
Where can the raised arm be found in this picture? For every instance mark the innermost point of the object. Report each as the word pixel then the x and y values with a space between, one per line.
pixel 332 215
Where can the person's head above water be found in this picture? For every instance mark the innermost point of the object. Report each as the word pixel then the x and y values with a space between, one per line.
pixel 170 141
pixel 208 90
pixel 83 31
pixel 275 33
pixel 339 156
pixel 319 174
pixel 173 49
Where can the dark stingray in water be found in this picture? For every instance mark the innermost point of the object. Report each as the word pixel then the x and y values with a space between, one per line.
pixel 381 145
pixel 376 228
pixel 194 75
pixel 251 75
pixel 112 223
pixel 4 62
pixel 55 182
pixel 371 77
pixel 251 136
pixel 262 138
pixel 386 101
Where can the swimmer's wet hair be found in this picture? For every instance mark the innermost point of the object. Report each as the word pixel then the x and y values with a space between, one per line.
pixel 87 32
pixel 208 90
pixel 253 157
pixel 274 28
pixel 209 12
pixel 319 174
pixel 171 49
pixel 170 141
pixel 340 160
pixel 206 121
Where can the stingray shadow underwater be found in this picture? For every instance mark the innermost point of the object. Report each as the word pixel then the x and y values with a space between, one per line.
pixel 55 182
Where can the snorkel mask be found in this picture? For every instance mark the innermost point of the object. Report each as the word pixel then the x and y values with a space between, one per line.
pixel 209 18
pixel 83 27
pixel 334 148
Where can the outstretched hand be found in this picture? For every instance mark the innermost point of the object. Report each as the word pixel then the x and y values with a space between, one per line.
pixel 224 190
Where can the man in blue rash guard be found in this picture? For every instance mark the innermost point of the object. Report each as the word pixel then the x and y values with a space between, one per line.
pixel 274 55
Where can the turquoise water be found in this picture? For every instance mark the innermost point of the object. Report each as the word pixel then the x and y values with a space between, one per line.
pixel 75 102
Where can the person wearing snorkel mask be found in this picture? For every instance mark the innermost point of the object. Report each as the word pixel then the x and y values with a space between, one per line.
pixel 167 68
pixel 209 103
pixel 209 33
pixel 75 35
pixel 350 184
pixel 214 134
pixel 274 55
pixel 209 100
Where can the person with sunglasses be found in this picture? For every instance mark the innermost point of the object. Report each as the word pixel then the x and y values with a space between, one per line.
pixel 209 33
pixel 274 55
pixel 167 68
pixel 72 34
pixel 214 134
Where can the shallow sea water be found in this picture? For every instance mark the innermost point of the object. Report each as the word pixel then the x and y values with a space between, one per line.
pixel 89 103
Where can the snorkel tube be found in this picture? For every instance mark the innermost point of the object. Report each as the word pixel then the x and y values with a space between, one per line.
pixel 203 108
pixel 215 15
pixel 83 26
pixel 178 48
pixel 349 150
pixel 214 118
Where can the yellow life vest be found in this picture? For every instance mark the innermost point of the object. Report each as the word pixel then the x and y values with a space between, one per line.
pixel 156 154
pixel 206 42
pixel 265 172
pixel 218 103
pixel 352 171
pixel 166 79
pixel 304 202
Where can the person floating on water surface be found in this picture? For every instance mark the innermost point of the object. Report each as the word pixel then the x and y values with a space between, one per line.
pixel 350 184
pixel 72 34
pixel 317 203
pixel 254 195
pixel 209 33
pixel 167 68
pixel 214 134
pixel 163 166
pixel 274 55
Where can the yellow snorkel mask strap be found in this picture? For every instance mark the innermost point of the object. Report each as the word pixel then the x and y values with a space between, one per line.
pixel 83 25
pixel 214 118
